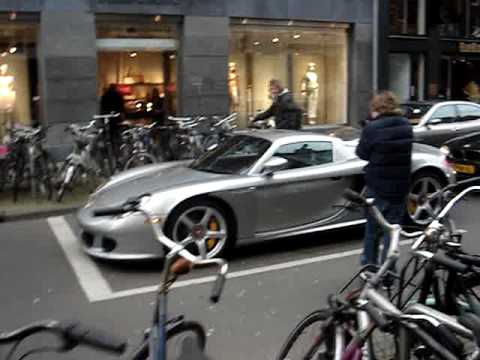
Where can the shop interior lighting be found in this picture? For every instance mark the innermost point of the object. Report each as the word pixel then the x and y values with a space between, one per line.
pixel 290 23
pixel 245 21
pixel 12 16
pixel 5 53
pixel 13 50
pixel 275 40
pixel 157 18
pixel 172 56
pixel 256 43
pixel 297 36
pixel 133 54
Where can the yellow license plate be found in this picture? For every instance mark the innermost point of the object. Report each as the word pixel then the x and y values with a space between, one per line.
pixel 465 169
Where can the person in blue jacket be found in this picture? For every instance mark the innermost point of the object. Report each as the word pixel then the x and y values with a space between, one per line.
pixel 386 143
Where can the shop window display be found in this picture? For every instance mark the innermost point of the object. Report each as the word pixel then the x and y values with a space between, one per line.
pixel 137 54
pixel 18 72
pixel 309 58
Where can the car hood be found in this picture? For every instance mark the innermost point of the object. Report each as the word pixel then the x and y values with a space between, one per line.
pixel 472 140
pixel 152 180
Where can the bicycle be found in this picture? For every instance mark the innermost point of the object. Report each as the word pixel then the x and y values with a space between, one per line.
pixel 91 157
pixel 27 161
pixel 137 147
pixel 70 334
pixel 178 261
pixel 345 329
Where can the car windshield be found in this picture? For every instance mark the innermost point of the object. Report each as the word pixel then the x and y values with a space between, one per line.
pixel 235 156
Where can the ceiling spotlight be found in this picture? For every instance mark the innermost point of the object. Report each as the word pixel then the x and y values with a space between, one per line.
pixel 12 50
pixel 12 16
pixel 171 57
pixel 275 40
pixel 297 36
pixel 157 18
pixel 4 54
pixel 133 54
pixel 245 21
pixel 256 43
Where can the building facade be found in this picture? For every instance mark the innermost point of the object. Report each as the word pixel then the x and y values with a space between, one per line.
pixel 430 48
pixel 202 57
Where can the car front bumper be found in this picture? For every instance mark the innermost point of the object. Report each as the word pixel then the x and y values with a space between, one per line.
pixel 119 238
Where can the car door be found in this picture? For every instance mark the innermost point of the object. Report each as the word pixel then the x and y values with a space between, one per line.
pixel 438 127
pixel 306 191
pixel 468 119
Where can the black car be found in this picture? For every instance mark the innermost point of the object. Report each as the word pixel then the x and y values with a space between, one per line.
pixel 464 155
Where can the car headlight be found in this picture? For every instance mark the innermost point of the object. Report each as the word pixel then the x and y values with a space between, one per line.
pixel 445 150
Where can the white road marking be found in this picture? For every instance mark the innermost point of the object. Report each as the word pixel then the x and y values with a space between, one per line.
pixel 241 273
pixel 89 276
pixel 96 287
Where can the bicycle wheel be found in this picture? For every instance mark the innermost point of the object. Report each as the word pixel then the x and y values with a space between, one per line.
pixel 140 159
pixel 312 338
pixel 175 338
pixel 66 176
pixel 45 169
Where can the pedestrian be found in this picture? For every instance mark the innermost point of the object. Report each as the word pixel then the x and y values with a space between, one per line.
pixel 157 107
pixel 286 113
pixel 386 143
pixel 112 102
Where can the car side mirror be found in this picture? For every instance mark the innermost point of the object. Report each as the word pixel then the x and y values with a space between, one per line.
pixel 275 163
pixel 434 122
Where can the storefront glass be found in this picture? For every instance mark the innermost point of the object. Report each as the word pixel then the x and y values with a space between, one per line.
pixel 309 58
pixel 137 55
pixel 407 17
pixel 18 71
pixel 448 18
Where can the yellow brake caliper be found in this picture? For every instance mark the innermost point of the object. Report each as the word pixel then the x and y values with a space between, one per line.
pixel 212 226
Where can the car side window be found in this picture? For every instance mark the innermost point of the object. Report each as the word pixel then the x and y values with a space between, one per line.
pixel 305 154
pixel 443 115
pixel 469 112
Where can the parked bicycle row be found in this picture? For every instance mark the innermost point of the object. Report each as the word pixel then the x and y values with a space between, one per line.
pixel 101 148
pixel 428 308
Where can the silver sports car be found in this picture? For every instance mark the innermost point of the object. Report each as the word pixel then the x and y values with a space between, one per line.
pixel 260 184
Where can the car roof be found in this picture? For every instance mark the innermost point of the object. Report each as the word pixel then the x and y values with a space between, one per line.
pixel 437 102
pixel 274 135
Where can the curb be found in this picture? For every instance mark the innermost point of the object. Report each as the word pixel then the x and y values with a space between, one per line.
pixel 5 217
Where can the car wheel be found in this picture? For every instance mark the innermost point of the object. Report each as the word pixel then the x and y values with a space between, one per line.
pixel 420 210
pixel 206 223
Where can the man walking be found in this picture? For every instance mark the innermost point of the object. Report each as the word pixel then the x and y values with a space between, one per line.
pixel 386 143
pixel 286 113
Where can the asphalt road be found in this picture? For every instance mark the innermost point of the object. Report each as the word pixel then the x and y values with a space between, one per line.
pixel 274 285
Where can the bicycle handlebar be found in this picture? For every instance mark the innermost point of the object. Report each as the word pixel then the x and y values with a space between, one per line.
pixel 73 334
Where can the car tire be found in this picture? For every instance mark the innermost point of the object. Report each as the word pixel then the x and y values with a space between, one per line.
pixel 192 219
pixel 418 207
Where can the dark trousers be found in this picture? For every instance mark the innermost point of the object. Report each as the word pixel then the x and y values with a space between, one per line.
pixel 393 213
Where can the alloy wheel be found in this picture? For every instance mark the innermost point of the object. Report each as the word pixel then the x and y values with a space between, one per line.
pixel 206 226
pixel 420 209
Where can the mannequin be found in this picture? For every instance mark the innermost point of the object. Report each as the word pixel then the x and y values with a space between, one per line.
pixel 7 98
pixel 310 91
pixel 7 93
pixel 233 87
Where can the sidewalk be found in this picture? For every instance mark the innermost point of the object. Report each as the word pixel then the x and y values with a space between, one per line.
pixel 28 208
